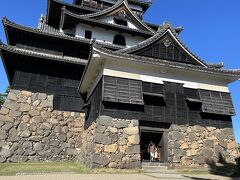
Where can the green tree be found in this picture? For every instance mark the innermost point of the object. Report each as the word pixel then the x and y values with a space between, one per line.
pixel 3 96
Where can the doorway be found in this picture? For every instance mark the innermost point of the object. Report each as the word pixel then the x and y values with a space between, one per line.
pixel 158 139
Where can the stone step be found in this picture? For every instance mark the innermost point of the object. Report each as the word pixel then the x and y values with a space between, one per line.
pixel 154 164
pixel 155 167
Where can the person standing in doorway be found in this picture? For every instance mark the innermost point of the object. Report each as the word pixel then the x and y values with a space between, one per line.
pixel 151 150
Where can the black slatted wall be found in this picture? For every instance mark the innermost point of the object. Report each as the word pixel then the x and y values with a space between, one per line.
pixel 217 102
pixel 122 90
pixel 60 80
pixel 92 107
pixel 166 103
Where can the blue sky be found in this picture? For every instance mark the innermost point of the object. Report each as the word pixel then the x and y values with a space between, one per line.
pixel 211 30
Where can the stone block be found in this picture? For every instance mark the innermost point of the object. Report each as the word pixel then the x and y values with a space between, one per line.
pixel 7 126
pixel 105 121
pixel 207 153
pixel 26 93
pixel 192 137
pixel 47 103
pixel 12 105
pixel 25 108
pixel 3 135
pixel 37 119
pixel 12 96
pixel 133 149
pixel 71 151
pixel 131 130
pixel 100 129
pixel 121 124
pixel 113 165
pixel 102 139
pixel 134 139
pixel 199 159
pixel 23 126
pixel 208 144
pixel 36 103
pixel 4 111
pixel 5 153
pixel 231 145
pixel 177 136
pixel 184 146
pixel 38 147
pixel 112 148
pixel 2 159
pixel 4 118
pixel 26 134
pixel 195 145
pixel 42 96
pixel 100 159
pixel 13 113
pixel 34 113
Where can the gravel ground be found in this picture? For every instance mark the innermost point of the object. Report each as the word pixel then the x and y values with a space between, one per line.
pixel 149 176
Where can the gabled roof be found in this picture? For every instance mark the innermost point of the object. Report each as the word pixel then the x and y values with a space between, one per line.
pixel 165 63
pixel 54 9
pixel 122 5
pixel 70 19
pixel 100 55
pixel 165 29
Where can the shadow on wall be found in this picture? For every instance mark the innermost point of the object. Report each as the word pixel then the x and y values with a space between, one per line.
pixel 224 168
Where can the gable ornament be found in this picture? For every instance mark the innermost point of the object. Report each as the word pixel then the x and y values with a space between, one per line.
pixel 167 42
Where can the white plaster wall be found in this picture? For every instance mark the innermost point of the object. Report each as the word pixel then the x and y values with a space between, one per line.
pixel 158 75
pixel 110 20
pixel 103 35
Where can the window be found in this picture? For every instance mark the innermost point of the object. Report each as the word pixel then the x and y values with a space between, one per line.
pixel 119 40
pixel 120 22
pixel 88 34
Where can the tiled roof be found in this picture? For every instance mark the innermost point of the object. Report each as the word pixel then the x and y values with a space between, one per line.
pixel 46 30
pixel 168 64
pixel 162 30
pixel 79 17
pixel 114 7
pixel 44 55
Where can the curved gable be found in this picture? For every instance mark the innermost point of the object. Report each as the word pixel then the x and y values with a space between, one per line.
pixel 165 45
pixel 120 10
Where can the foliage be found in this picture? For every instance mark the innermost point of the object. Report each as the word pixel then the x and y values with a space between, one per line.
pixel 224 168
pixel 3 96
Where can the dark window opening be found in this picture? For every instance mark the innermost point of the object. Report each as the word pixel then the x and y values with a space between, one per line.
pixel 88 34
pixel 120 22
pixel 119 40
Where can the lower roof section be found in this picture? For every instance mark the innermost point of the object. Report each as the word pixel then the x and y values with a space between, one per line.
pixel 11 56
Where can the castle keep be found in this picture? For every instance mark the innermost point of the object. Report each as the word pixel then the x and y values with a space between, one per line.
pixel 95 83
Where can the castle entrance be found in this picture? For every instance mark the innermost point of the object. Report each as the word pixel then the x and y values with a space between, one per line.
pixel 158 137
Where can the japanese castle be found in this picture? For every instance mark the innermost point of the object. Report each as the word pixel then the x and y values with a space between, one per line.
pixel 96 84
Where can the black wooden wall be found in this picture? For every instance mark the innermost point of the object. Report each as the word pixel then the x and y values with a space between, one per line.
pixel 60 80
pixel 93 105
pixel 167 103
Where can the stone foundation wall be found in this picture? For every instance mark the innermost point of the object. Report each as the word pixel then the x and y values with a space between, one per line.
pixel 115 143
pixel 30 130
pixel 195 145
